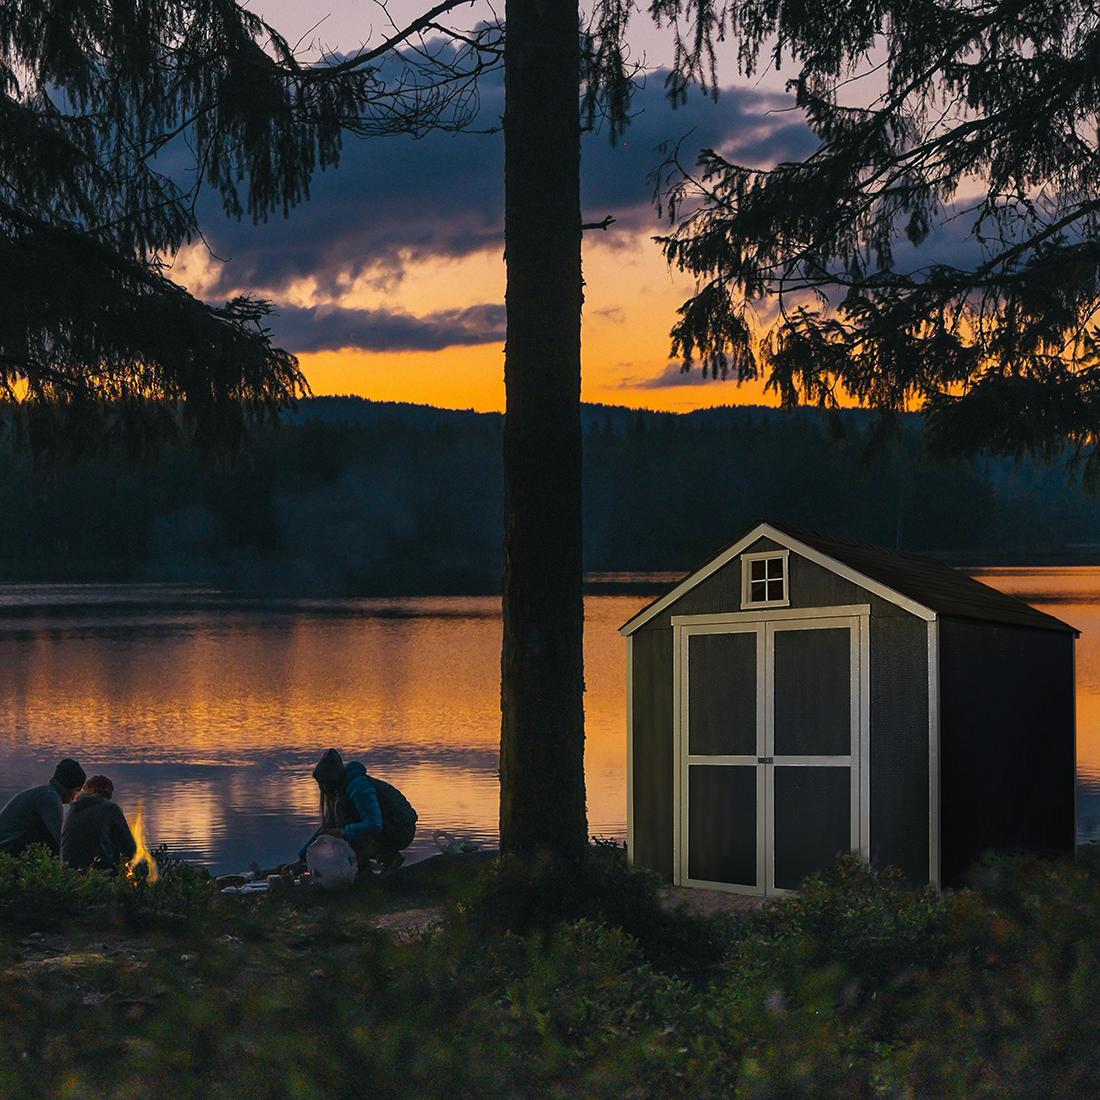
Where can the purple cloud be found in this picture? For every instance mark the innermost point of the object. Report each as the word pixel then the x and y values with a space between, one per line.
pixel 395 200
pixel 328 328
pixel 671 375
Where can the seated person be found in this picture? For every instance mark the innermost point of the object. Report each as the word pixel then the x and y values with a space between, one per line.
pixel 34 816
pixel 372 816
pixel 95 833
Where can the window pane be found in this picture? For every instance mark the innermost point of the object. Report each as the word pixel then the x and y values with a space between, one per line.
pixel 757 569
pixel 775 568
pixel 775 590
pixel 722 694
pixel 813 821
pixel 758 591
pixel 813 692
pixel 722 823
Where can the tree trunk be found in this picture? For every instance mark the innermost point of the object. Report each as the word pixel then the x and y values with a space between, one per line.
pixel 542 805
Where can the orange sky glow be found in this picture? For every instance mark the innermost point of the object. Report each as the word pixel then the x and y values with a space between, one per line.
pixel 631 298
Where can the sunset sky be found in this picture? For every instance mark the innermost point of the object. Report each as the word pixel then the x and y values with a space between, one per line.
pixel 390 281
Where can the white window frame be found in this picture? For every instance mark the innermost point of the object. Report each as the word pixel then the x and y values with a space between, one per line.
pixel 746 584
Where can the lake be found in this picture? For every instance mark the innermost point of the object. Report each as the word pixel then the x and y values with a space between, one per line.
pixel 208 710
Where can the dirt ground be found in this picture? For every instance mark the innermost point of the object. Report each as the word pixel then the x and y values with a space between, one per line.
pixel 408 924
pixel 706 903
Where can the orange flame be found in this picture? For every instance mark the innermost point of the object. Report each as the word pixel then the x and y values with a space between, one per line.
pixel 142 855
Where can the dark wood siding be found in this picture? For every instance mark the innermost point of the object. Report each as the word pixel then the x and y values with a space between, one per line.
pixel 654 769
pixel 899 744
pixel 1006 742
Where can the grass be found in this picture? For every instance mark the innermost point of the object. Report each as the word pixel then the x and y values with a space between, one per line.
pixel 537 982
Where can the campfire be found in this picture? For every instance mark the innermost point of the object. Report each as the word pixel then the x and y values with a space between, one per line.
pixel 142 855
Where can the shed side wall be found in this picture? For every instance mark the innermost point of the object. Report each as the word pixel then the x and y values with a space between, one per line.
pixel 899 745
pixel 1006 742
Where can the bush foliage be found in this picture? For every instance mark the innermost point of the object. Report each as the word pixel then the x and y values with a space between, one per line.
pixel 38 890
pixel 541 982
pixel 523 898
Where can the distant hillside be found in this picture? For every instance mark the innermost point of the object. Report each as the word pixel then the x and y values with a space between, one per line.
pixel 355 496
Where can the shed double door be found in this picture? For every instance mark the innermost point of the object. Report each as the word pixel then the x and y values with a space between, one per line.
pixel 770 757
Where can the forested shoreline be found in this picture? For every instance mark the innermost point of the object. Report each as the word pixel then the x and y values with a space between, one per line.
pixel 350 496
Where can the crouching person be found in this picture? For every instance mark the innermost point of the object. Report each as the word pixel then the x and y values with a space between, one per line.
pixel 374 817
pixel 95 833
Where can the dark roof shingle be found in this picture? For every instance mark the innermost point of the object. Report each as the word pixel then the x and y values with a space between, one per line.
pixel 931 583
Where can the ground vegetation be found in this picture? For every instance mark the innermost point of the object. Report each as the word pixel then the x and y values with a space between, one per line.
pixel 857 987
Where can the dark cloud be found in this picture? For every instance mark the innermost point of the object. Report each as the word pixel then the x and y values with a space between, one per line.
pixel 328 328
pixel 671 375
pixel 395 200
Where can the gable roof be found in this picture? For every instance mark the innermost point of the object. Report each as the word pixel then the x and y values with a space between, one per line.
pixel 923 586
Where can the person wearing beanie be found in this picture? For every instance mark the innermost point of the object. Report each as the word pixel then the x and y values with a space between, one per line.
pixel 34 816
pixel 95 833
pixel 374 817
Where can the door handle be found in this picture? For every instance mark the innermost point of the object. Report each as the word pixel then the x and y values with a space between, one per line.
pixel 765 759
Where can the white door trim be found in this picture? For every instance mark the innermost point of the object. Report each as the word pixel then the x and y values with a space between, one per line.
pixel 852 760
pixel 1073 660
pixel 842 611
pixel 865 738
pixel 856 619
pixel 682 634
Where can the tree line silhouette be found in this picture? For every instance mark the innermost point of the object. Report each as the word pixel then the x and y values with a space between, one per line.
pixel 350 496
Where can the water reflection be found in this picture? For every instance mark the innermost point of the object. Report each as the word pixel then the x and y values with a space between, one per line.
pixel 211 709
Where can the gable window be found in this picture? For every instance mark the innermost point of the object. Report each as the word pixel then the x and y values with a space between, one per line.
pixel 764 579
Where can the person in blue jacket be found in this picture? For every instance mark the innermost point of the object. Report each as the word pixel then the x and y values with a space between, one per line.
pixel 374 817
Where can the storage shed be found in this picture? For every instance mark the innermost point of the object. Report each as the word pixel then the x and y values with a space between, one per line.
pixel 801 694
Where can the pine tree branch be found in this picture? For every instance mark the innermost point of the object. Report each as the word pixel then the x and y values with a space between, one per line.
pixel 335 70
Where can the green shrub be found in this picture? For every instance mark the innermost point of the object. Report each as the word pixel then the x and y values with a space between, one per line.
pixel 38 890
pixel 867 922
pixel 521 897
pixel 804 1004
pixel 1011 1010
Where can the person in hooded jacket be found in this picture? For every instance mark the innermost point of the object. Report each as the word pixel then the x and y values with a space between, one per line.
pixel 34 816
pixel 374 817
pixel 95 833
